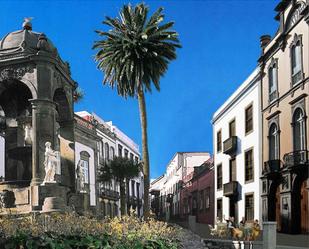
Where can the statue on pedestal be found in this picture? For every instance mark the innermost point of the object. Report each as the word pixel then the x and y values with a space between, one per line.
pixel 80 177
pixel 51 163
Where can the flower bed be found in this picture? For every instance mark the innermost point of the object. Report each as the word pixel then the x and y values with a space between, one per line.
pixel 73 231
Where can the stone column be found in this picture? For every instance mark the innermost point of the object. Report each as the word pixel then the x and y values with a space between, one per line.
pixel 43 127
pixel 269 235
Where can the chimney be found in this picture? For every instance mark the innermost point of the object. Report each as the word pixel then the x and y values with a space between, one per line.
pixel 264 40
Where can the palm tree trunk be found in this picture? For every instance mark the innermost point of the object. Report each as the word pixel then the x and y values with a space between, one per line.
pixel 143 118
pixel 122 197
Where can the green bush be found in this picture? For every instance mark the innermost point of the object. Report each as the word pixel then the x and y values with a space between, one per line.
pixel 65 231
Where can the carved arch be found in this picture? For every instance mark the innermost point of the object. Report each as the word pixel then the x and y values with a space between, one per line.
pixel 295 15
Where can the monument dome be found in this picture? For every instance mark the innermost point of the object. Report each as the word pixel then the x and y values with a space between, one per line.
pixel 26 39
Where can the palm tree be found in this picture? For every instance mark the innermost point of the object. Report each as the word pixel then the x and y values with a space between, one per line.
pixel 133 55
pixel 121 169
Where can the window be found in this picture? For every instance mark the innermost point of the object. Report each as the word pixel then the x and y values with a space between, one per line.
pixel 133 188
pixel 119 150
pixel 131 156
pixel 219 141
pixel 84 166
pixel 219 176
pixel 137 189
pixel 249 119
pixel 249 207
pixel 232 128
pixel 107 151
pixel 296 60
pixel 136 159
pixel 249 165
pixel 219 209
pixel 112 152
pixel 201 200
pixel 126 153
pixel 273 80
pixel 101 148
pixel 273 142
pixel 207 198
pixel 299 138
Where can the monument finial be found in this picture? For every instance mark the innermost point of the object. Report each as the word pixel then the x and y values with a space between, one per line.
pixel 27 25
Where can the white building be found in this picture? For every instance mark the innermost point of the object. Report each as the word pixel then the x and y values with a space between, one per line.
pixel 237 153
pixel 180 165
pixel 157 188
pixel 113 142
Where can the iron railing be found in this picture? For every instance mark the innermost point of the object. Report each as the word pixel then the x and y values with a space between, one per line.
pixel 295 158
pixel 109 194
pixel 271 166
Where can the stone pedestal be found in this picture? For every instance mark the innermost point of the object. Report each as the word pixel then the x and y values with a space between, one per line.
pixel 53 204
pixel 269 235
pixel 50 194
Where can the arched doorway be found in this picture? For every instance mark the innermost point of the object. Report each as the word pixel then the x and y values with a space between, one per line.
pixel 304 209
pixel 274 213
pixel 16 125
pixel 300 205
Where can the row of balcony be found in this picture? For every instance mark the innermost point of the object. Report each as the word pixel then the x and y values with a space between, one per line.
pixel 134 201
pixel 109 194
pixel 291 159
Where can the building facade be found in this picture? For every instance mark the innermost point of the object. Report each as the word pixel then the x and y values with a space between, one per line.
pixel 236 133
pixel 180 165
pixel 284 70
pixel 197 194
pixel 156 191
pixel 111 141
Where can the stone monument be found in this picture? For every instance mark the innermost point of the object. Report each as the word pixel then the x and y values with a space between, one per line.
pixel 36 105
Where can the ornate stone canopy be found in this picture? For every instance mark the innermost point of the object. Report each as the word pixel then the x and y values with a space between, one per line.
pixel 36 103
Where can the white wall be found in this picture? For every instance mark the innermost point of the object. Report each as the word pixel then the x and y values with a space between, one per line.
pixel 2 157
pixel 252 140
pixel 78 149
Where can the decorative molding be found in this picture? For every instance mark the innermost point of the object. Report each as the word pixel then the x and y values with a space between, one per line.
pixel 295 15
pixel 304 95
pixel 15 72
pixel 273 115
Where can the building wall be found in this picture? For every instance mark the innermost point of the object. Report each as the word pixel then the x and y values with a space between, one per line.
pixel 193 187
pixel 234 108
pixel 180 165
pixel 290 217
pixel 78 149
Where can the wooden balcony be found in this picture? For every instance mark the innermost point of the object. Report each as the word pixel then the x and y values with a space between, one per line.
pixel 109 194
pixel 230 145
pixel 230 189
pixel 296 158
pixel 271 166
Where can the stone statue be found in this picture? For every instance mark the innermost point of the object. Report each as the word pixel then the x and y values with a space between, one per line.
pixel 51 163
pixel 80 177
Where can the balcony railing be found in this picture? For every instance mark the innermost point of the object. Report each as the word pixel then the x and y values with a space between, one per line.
pixel 132 200
pixel 230 145
pixel 271 166
pixel 300 157
pixel 169 198
pixel 109 194
pixel 230 188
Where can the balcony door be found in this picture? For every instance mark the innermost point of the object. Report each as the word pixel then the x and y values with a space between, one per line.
pixel 232 128
pixel 233 169
pixel 299 138
pixel 273 142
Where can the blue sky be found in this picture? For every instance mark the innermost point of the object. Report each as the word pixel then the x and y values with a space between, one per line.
pixel 220 42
